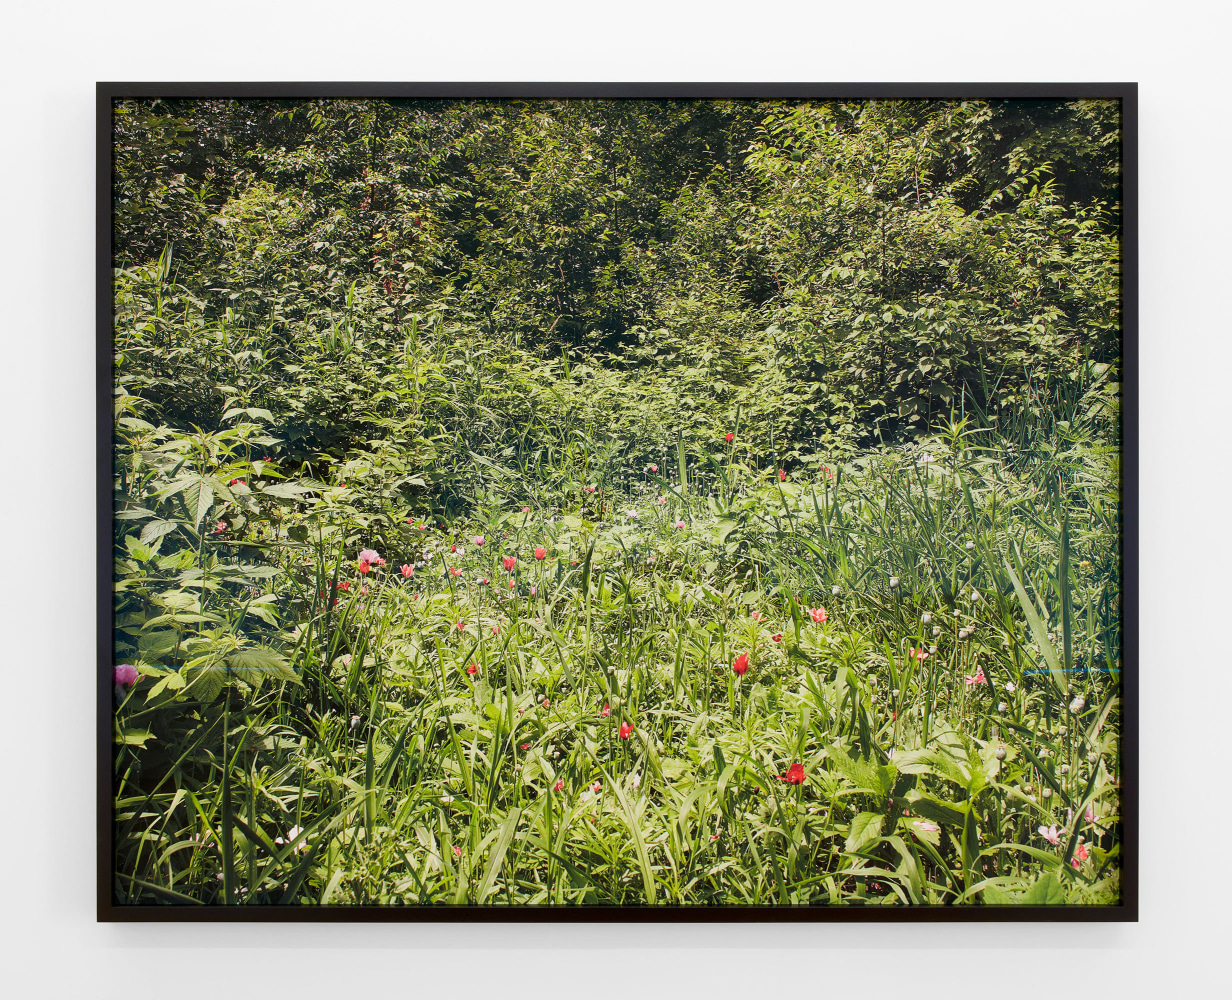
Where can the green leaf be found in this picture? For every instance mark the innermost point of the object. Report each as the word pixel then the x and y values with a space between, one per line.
pixel 1046 891
pixel 1039 631
pixel 865 831
pixel 156 529
pixel 255 663
pixel 497 857
pixel 936 809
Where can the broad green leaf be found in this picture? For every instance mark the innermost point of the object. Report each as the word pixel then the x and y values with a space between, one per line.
pixel 865 830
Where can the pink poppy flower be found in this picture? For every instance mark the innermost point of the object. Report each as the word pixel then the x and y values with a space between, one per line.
pixel 545 703
pixel 919 654
pixel 509 562
pixel 478 539
pixel 525 510
pixel 345 585
pixel 626 730
pixel 740 664
pixel 370 556
pixel 607 710
pixel 590 489
pixel 654 468
pixel 461 626
pixel 560 783
pixel 540 553
pixel 755 615
pixel 817 614
pixel 679 525
pixel 1050 834
pixel 597 787
pixel 125 676
pixel 523 747
pixel 795 775
pixel 237 482
pixel 782 475
pixel 220 527
pixel 457 851
pixel 408 570
pixel 1080 855
pixel 473 669
pixel 976 678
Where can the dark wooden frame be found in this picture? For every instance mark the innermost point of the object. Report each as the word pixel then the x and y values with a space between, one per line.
pixel 1126 93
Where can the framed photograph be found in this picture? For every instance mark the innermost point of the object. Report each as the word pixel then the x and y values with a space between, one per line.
pixel 617 502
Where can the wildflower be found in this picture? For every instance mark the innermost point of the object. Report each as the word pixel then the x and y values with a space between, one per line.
pixel 560 783
pixel 1077 705
pixel 408 570
pixel 1050 834
pixel 1080 855
pixel 1002 706
pixel 523 747
pixel 729 437
pixel 654 468
pixel 534 591
pixel 679 525
pixel 635 782
pixel 370 556
pixel 920 654
pixel 525 510
pixel 345 585
pixel 817 614
pixel 607 710
pixel 835 591
pixel 362 592
pixel 237 482
pixel 626 730
pixel 782 475
pixel 755 615
pixel 484 581
pixel 661 500
pixel 977 678
pixel 794 776
pixel 633 515
pixel 364 566
pixel 1090 814
pixel 1009 687
pixel 457 851
pixel 590 489
pixel 511 583
pixel 292 833
pixel 446 799
pixel 461 626
pixel 597 787
pixel 125 676
pixel 970 546
pixel 926 459
pixel 926 825
pixel 740 664
pixel 478 539
pixel 540 553
pixel 545 703
pixel 454 571
pixel 473 669
pixel 220 527
pixel 509 562
pixel 777 637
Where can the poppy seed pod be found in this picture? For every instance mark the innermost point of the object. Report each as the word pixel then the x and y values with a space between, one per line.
pixel 999 753
pixel 936 630
pixel 1077 705
pixel 970 546
pixel 926 619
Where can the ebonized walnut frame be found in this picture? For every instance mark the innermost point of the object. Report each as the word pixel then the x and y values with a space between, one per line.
pixel 1126 93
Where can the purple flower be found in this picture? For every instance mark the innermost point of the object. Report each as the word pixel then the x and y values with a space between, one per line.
pixel 125 675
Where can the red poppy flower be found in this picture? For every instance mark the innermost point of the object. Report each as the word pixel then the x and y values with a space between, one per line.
pixel 729 438
pixel 523 746
pixel 408 570
pixel 454 571
pixel 461 626
pixel 607 710
pixel 546 703
pixel 777 637
pixel 473 669
pixel 740 664
pixel 540 552
pixel 364 567
pixel 344 585
pixel 560 783
pixel 626 730
pixel 509 562
pixel 794 775
pixel 782 475
pixel 817 614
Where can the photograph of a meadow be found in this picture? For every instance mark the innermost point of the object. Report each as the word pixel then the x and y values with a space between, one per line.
pixel 566 503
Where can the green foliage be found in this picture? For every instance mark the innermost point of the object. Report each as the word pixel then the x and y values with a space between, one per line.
pixel 355 327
